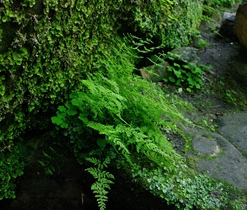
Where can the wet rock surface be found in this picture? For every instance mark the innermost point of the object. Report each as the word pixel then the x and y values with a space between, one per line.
pixel 223 104
pixel 234 128
pixel 214 155
pixel 205 146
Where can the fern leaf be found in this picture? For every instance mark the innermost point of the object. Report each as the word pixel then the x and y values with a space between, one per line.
pixel 103 180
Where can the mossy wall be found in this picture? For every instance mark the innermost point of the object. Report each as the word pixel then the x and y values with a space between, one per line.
pixel 48 46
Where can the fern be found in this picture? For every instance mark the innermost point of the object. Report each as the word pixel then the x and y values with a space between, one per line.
pixel 103 180
pixel 121 113
pixel 112 137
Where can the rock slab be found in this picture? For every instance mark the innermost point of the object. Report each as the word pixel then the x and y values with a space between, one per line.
pixel 215 156
pixel 234 128
pixel 227 25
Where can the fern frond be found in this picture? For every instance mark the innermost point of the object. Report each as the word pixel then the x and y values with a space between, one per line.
pixel 103 180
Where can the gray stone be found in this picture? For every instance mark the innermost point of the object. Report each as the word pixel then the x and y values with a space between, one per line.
pixel 234 128
pixel 227 25
pixel 215 156
pixel 229 16
pixel 155 73
pixel 205 146
pixel 185 54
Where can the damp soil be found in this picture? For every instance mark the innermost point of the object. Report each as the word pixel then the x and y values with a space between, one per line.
pixel 221 93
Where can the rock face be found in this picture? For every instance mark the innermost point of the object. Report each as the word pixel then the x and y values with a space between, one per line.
pixel 222 155
pixel 234 128
pixel 214 155
pixel 238 66
pixel 227 25
pixel 155 73
pixel 185 54
pixel 158 72
pixel 241 23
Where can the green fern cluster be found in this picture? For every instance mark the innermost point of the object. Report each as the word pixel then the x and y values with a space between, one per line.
pixel 120 113
pixel 100 119
pixel 123 121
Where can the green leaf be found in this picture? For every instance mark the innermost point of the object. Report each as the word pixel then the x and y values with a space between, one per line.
pixel 17 57
pixel 42 163
pixel 101 143
pixel 64 125
pixel 71 111
pixel 56 120
pixel 62 109
pixel 177 73
pixel 5 19
pixel 172 79
pixel 46 155
pixel 77 102
pixel 23 52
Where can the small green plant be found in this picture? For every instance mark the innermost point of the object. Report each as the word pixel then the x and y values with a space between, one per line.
pixel 13 159
pixel 230 98
pixel 189 74
pixel 215 31
pixel 208 124
pixel 52 162
pixel 183 190
pixel 103 180
pixel 185 73
pixel 202 43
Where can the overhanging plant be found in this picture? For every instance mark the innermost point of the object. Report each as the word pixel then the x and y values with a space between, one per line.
pixel 115 117
pixel 121 120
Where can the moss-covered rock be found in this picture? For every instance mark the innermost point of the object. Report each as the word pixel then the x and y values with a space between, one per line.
pixel 48 46
pixel 53 44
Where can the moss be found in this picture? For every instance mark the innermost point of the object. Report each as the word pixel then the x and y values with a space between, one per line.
pixel 53 44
